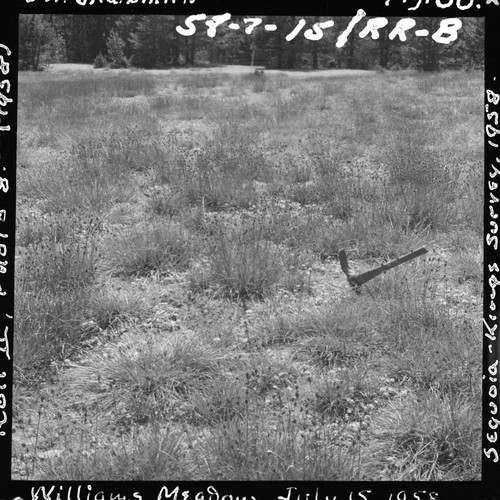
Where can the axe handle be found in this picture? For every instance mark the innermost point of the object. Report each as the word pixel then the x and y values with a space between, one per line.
pixel 405 258
pixel 362 278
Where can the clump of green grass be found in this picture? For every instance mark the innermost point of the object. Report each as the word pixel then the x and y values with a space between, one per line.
pixel 220 175
pixel 339 211
pixel 213 178
pixel 148 454
pixel 298 172
pixel 94 172
pixel 333 351
pixel 430 207
pixel 243 265
pixel 425 365
pixel 417 283
pixel 411 302
pixel 468 267
pixel 57 265
pixel 421 175
pixel 266 375
pixel 155 247
pixel 149 379
pixel 219 400
pixel 285 443
pixel 130 148
pixel 428 437
pixel 49 328
pixel 345 395
pixel 323 177
pixel 89 186
pixel 164 201
pixel 285 224
pixel 110 308
pixel 426 335
pixel 55 271
pixel 344 320
pixel 422 331
pixel 217 192
pixel 66 227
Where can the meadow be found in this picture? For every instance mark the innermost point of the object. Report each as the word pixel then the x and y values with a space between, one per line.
pixel 180 308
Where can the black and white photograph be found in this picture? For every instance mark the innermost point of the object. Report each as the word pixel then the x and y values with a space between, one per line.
pixel 249 248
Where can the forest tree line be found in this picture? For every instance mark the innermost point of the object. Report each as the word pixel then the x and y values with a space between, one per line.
pixel 153 42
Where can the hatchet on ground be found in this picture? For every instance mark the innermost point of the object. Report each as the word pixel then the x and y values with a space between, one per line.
pixel 356 280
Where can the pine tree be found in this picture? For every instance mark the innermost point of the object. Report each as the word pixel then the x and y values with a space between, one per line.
pixel 37 38
pixel 153 42
pixel 116 55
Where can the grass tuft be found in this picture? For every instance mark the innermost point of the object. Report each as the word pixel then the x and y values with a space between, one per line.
pixel 156 247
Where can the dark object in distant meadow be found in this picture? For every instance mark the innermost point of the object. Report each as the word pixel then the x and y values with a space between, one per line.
pixel 356 280
pixel 259 72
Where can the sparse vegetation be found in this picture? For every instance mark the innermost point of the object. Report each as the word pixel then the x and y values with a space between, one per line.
pixel 177 277
pixel 155 247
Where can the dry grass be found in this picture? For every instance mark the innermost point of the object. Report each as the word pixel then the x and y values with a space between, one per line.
pixel 193 298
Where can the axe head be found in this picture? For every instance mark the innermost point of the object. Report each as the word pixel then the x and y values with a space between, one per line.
pixel 344 264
